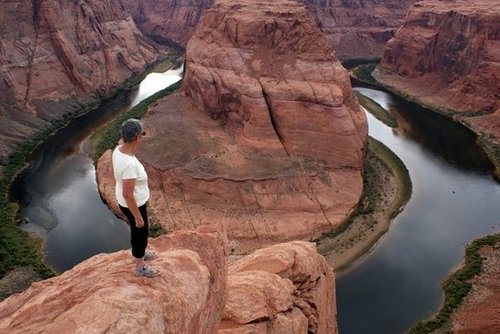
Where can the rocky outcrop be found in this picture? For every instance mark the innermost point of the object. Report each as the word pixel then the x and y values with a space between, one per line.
pixel 290 289
pixel 286 288
pixel 446 57
pixel 58 55
pixel 169 22
pixel 102 295
pixel 359 28
pixel 268 137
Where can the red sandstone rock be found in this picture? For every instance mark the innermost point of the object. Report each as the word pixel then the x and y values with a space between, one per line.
pixel 269 141
pixel 359 28
pixel 57 55
pixel 446 56
pixel 168 21
pixel 103 295
pixel 286 288
pixel 355 28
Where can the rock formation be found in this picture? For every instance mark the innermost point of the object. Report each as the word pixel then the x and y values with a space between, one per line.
pixel 102 295
pixel 57 55
pixel 286 288
pixel 355 28
pixel 170 22
pixel 267 138
pixel 446 57
pixel 290 289
pixel 359 28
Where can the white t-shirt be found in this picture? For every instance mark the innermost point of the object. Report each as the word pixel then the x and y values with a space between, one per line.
pixel 127 167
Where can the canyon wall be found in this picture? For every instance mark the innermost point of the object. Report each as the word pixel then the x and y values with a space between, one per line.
pixel 447 57
pixel 290 287
pixel 267 137
pixel 355 28
pixel 359 28
pixel 57 55
pixel 169 22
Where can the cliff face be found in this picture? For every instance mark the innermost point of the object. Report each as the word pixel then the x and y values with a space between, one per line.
pixel 56 55
pixel 267 138
pixel 359 28
pixel 446 56
pixel 290 284
pixel 355 28
pixel 168 21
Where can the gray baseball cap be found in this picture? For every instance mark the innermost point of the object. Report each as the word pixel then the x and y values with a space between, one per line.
pixel 130 129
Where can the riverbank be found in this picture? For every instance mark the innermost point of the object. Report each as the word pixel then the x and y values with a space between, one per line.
pixel 457 286
pixel 471 293
pixel 486 141
pixel 386 189
pixel 19 250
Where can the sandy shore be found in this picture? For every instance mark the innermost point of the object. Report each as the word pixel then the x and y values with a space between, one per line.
pixel 387 188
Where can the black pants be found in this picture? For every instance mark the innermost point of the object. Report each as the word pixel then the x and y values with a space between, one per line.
pixel 138 236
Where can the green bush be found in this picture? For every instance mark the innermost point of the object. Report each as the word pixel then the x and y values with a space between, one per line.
pixel 364 73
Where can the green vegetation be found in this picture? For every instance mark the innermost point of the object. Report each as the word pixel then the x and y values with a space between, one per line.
pixel 493 152
pixel 377 110
pixel 17 247
pixel 110 137
pixel 364 73
pixel 457 286
pixel 352 62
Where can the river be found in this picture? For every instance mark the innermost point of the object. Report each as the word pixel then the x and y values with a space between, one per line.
pixel 58 191
pixel 454 201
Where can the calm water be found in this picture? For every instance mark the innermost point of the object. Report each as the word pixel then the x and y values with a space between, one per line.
pixel 454 201
pixel 59 193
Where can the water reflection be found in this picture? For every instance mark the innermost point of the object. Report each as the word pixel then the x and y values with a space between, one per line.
pixel 447 140
pixel 453 203
pixel 58 192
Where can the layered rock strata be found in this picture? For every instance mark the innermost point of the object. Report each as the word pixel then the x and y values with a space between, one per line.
pixel 267 138
pixel 355 28
pixel 446 56
pixel 57 55
pixel 290 289
pixel 169 22
pixel 359 28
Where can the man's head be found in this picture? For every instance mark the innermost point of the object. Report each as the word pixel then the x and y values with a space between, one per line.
pixel 131 128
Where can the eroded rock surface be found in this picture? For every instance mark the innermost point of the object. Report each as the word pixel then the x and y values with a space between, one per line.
pixel 267 138
pixel 57 55
pixel 102 295
pixel 355 28
pixel 286 288
pixel 447 56
pixel 359 28
pixel 168 21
